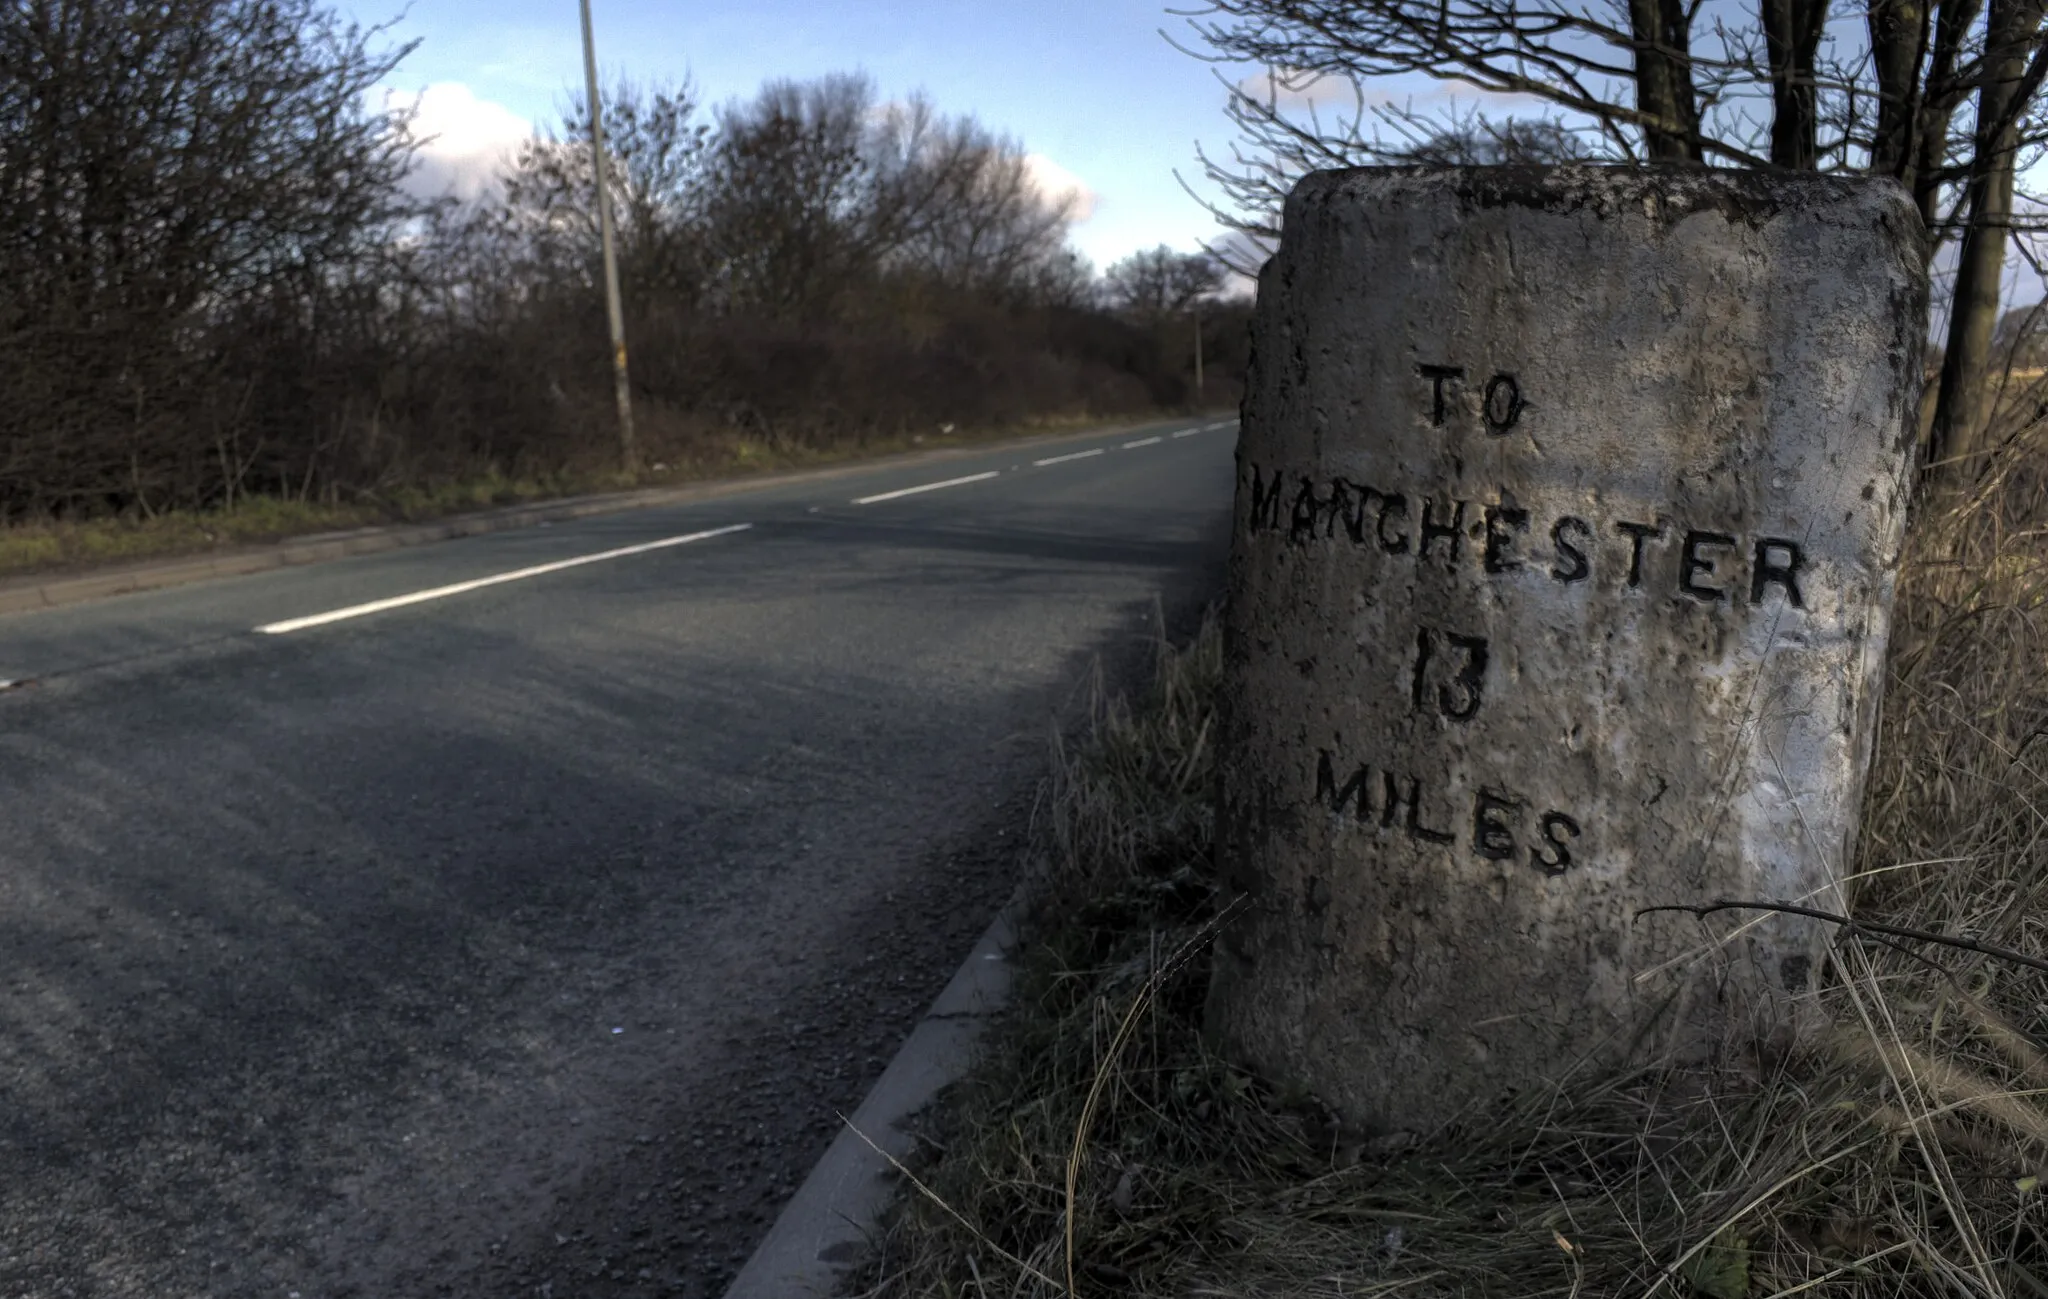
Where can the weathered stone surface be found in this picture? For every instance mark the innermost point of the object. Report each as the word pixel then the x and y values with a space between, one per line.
pixel 1568 510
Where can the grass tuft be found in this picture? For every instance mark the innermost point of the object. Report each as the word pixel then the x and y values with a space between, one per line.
pixel 1901 1153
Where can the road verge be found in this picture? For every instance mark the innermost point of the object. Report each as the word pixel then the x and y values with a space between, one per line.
pixel 65 587
pixel 824 1229
pixel 1118 801
pixel 1099 1146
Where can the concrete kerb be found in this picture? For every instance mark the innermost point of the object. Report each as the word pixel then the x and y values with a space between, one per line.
pixel 28 594
pixel 821 1233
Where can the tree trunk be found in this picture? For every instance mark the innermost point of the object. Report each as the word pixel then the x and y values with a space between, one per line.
pixel 1664 89
pixel 1938 101
pixel 1792 31
pixel 1959 440
pixel 1898 45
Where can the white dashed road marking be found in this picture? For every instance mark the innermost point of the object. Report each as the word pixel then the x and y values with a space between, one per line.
pixel 928 487
pixel 1076 455
pixel 457 588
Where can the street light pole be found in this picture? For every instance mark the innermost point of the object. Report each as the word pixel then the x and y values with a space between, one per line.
pixel 629 454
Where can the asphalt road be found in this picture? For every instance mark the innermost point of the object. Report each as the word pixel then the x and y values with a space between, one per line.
pixel 526 939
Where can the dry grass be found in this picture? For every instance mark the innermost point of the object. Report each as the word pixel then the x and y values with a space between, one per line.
pixel 1901 1154
pixel 57 545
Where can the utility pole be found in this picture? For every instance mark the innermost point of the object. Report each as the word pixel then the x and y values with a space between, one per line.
pixel 1198 349
pixel 629 453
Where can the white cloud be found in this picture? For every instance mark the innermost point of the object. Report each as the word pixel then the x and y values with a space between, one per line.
pixel 1056 182
pixel 1293 88
pixel 468 140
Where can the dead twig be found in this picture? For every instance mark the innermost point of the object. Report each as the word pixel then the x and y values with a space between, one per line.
pixel 1852 925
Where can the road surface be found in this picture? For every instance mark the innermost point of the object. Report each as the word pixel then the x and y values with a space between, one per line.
pixel 511 916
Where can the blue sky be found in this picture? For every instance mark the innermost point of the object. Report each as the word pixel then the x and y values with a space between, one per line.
pixel 1092 88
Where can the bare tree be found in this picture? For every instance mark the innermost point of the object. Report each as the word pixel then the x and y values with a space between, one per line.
pixel 1940 94
pixel 1065 280
pixel 1158 283
pixel 163 167
pixel 959 205
pixel 789 200
pixel 789 213
pixel 657 150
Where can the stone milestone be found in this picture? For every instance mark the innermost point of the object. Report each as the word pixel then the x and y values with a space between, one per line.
pixel 1568 509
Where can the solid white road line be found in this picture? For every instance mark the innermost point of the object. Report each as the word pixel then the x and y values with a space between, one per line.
pixel 1060 460
pixel 1142 442
pixel 928 487
pixel 439 592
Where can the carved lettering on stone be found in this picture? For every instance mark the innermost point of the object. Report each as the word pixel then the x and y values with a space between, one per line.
pixel 1568 509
